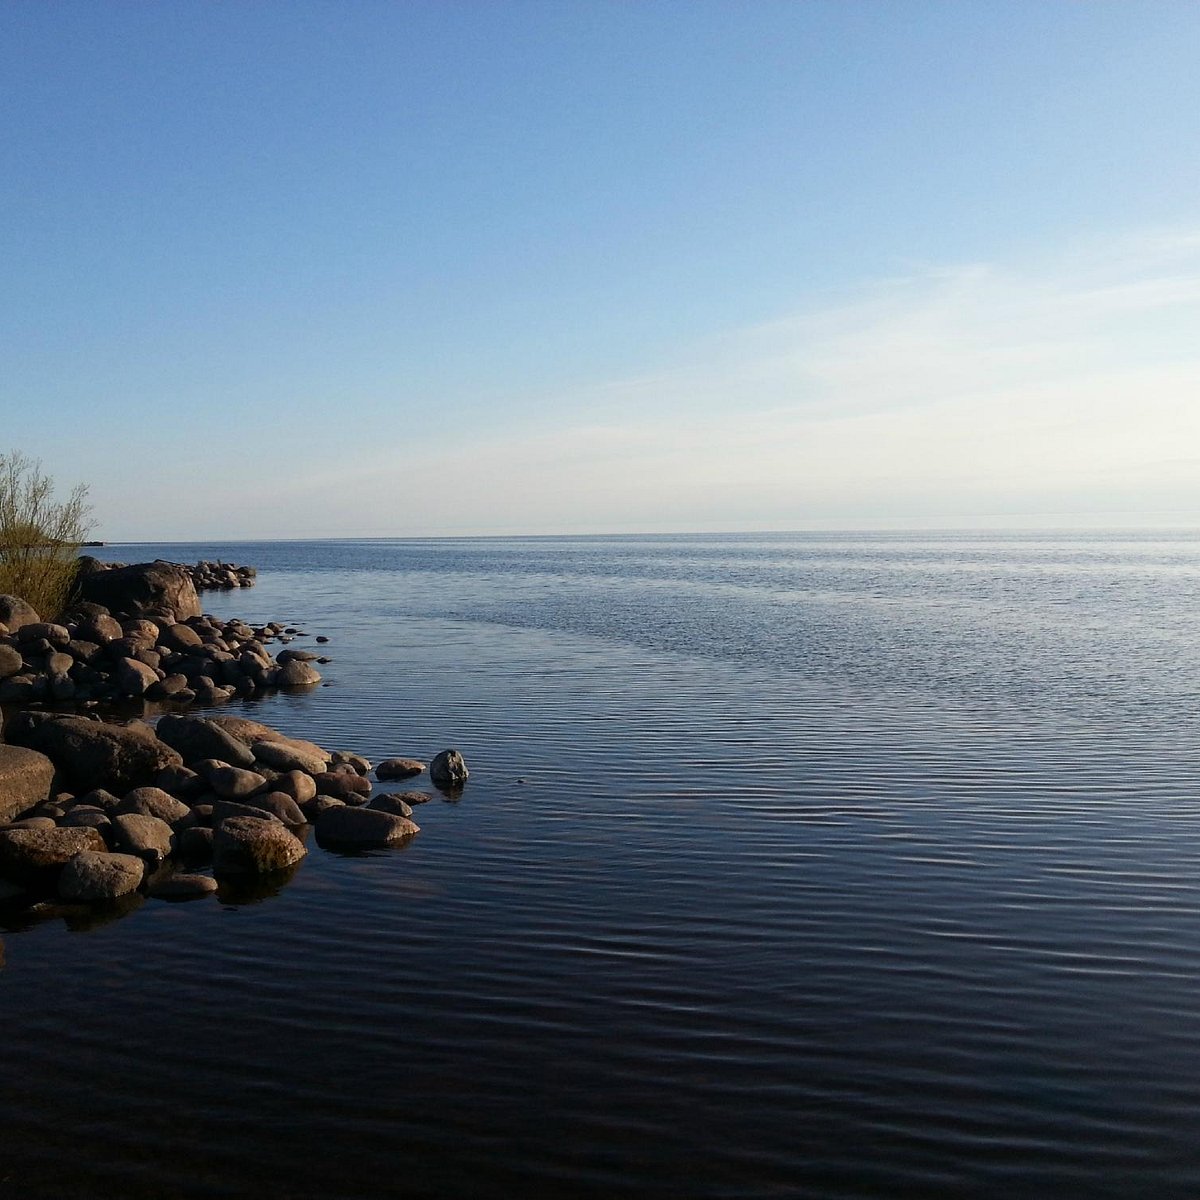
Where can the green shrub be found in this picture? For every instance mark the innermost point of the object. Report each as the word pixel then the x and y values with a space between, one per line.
pixel 39 536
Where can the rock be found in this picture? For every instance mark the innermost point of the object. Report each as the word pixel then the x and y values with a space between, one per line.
pixel 249 845
pixel 356 762
pixel 415 797
pixel 134 677
pixel 322 639
pixel 392 803
pixel 154 802
pixel 26 778
pixel 362 828
pixel 286 656
pixel 183 887
pixel 234 783
pixel 11 662
pixel 313 808
pixel 94 754
pixel 284 757
pixel 148 838
pixel 97 875
pixel 347 786
pixel 160 586
pixel 180 637
pixel 279 805
pixel 15 613
pixel 297 784
pixel 140 631
pixel 197 738
pixel 297 674
pixel 398 768
pixel 448 770
pixel 34 823
pixel 100 628
pixel 105 801
pixel 181 782
pixel 88 818
pixel 30 856
pixel 224 809
pixel 48 631
pixel 250 732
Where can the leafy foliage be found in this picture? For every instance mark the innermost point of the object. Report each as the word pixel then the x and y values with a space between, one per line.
pixel 39 535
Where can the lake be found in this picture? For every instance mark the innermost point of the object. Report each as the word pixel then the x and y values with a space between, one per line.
pixel 829 865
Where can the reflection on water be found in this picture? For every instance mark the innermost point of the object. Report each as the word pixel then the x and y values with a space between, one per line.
pixel 842 867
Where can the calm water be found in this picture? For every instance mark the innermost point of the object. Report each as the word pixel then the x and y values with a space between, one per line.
pixel 813 865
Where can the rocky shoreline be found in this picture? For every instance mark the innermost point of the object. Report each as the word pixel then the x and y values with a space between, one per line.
pixel 97 812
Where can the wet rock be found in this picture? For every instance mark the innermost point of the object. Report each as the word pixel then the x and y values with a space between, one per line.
pixel 183 887
pixel 97 875
pixel 286 656
pixel 249 845
pixel 399 768
pixel 29 856
pixel 448 770
pixel 362 828
pixel 195 844
pixel 149 838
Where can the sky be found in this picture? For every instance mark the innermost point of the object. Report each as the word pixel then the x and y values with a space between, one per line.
pixel 442 268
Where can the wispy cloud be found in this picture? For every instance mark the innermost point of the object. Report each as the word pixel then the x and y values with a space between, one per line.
pixel 1066 385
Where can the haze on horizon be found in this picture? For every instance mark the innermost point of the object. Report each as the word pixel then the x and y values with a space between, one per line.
pixel 306 270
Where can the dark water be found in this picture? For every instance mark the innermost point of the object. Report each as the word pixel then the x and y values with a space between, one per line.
pixel 830 866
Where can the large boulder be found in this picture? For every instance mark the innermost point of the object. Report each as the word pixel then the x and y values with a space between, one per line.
pixel 94 754
pixel 26 779
pixel 11 661
pixel 95 875
pixel 148 838
pixel 15 613
pixel 249 846
pixel 253 732
pixel 284 757
pixel 144 587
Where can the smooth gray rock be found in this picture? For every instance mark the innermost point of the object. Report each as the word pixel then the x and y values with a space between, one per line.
pixel 149 838
pixel 160 586
pixel 252 846
pixel 448 770
pixel 30 855
pixel 97 875
pixel 26 779
pixel 398 768
pixel 363 828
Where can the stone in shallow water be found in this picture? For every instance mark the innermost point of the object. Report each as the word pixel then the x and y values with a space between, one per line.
pixel 183 887
pixel 30 855
pixel 94 875
pixel 149 838
pixel 363 828
pixel 448 770
pixel 399 768
pixel 392 803
pixel 253 845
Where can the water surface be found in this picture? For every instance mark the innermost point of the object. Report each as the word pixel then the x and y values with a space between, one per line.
pixel 790 865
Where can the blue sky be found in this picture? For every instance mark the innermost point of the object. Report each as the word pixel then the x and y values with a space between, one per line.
pixel 319 269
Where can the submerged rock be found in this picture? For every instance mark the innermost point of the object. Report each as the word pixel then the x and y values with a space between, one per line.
pixel 398 768
pixel 362 828
pixel 448 770
pixel 252 845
